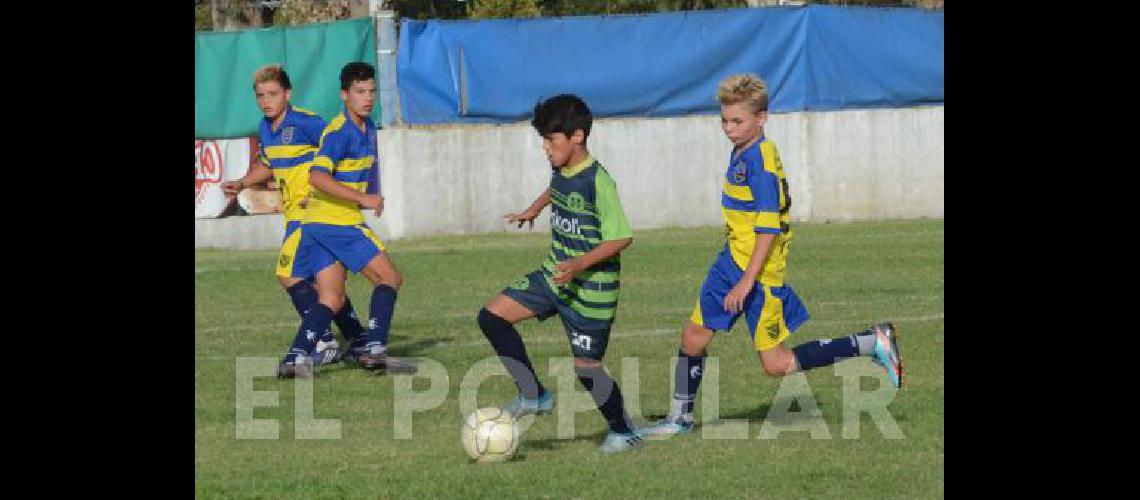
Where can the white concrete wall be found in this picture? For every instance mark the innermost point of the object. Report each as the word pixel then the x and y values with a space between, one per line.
pixel 843 165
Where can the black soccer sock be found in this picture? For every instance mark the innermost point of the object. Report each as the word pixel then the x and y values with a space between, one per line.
pixel 820 353
pixel 607 395
pixel 303 295
pixel 348 323
pixel 382 308
pixel 686 381
pixel 317 320
pixel 512 352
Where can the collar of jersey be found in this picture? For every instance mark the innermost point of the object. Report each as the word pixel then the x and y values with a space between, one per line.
pixel 288 114
pixel 753 148
pixel 349 123
pixel 572 171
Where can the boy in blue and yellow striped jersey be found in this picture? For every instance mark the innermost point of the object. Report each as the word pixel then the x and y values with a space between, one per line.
pixel 748 274
pixel 288 138
pixel 334 235
pixel 579 279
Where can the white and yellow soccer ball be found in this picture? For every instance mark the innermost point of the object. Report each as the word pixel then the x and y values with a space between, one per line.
pixel 490 435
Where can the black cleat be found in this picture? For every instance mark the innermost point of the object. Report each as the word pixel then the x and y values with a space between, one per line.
pixel 370 361
pixel 301 368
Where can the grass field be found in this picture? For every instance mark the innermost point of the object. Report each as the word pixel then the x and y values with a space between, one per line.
pixel 849 275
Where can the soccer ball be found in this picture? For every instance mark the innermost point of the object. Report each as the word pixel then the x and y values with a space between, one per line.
pixel 490 435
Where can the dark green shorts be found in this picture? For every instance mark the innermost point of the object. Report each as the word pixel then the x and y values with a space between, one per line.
pixel 588 337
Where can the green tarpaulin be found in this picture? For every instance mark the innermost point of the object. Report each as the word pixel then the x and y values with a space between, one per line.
pixel 224 62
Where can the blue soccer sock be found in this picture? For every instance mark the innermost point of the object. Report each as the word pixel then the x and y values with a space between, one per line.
pixel 686 380
pixel 607 395
pixel 820 353
pixel 383 306
pixel 315 322
pixel 348 323
pixel 507 343
pixel 304 296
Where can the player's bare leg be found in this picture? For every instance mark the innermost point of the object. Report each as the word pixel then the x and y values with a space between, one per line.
pixel 330 286
pixel 286 283
pixel 509 309
pixel 695 339
pixel 778 361
pixel 382 271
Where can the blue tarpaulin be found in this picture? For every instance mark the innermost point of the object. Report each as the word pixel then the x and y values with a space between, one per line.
pixel 813 58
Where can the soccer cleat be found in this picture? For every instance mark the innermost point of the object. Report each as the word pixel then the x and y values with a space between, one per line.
pixel 886 353
pixel 301 367
pixel 327 353
pixel 520 406
pixel 667 428
pixel 352 354
pixel 617 443
pixel 382 361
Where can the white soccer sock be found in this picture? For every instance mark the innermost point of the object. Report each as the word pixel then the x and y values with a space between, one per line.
pixel 866 344
pixel 678 410
pixel 377 348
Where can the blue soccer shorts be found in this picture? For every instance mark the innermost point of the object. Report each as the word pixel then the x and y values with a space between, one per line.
pixel 322 245
pixel 774 312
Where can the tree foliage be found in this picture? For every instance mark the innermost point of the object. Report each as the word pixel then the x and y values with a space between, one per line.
pixel 236 14
pixel 490 9
pixel 294 12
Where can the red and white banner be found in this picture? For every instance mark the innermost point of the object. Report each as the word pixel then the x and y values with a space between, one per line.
pixel 217 161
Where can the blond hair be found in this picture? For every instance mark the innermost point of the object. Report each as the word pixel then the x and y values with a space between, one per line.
pixel 747 88
pixel 272 73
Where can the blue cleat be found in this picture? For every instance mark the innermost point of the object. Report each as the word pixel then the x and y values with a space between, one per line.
pixel 520 406
pixel 887 354
pixel 667 428
pixel 617 443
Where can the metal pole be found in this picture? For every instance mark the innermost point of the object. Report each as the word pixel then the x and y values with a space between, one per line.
pixel 385 24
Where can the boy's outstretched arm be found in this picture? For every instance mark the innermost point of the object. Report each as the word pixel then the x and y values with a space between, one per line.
pixel 531 212
pixel 257 174
pixel 567 269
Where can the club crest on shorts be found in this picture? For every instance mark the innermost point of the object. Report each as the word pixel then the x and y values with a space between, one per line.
pixel 284 262
pixel 738 172
pixel 287 135
pixel 773 331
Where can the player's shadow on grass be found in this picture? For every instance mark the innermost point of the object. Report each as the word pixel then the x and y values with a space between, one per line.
pixel 752 415
pixel 551 444
pixel 759 414
pixel 397 350
pixel 414 348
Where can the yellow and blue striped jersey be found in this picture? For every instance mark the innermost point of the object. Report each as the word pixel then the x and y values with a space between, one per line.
pixel 349 155
pixel 755 200
pixel 288 151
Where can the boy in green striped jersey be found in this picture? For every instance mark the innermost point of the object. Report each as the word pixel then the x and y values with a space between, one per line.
pixel 580 278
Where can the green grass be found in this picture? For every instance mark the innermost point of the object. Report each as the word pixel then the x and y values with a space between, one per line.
pixel 849 275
